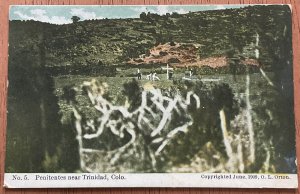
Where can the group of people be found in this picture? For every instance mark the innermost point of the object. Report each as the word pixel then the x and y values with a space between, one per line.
pixel 152 76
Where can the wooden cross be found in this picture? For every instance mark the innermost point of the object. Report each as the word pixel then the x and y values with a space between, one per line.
pixel 167 68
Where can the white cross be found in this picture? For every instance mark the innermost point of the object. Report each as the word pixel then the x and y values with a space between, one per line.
pixel 167 68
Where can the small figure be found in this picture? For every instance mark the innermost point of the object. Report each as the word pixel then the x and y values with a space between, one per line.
pixel 139 74
pixel 149 76
pixel 154 77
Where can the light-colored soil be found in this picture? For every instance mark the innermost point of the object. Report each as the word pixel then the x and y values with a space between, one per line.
pixel 182 55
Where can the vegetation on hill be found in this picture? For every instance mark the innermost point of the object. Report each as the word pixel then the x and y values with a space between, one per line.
pixel 115 41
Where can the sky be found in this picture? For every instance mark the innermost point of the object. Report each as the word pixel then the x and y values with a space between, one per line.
pixel 63 14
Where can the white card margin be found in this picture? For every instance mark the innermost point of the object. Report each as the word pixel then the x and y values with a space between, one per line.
pixel 180 180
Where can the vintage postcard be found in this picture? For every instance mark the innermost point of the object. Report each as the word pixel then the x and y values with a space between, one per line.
pixel 150 96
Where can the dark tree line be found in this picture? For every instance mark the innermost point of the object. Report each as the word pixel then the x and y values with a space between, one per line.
pixel 36 139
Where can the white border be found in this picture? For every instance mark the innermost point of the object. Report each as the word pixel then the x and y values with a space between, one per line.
pixel 108 180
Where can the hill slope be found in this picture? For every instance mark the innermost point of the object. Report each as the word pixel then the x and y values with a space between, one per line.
pixel 116 41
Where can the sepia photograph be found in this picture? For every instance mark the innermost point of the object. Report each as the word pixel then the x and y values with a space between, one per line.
pixel 150 89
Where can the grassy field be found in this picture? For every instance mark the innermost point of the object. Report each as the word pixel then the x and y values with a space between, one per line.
pixel 258 84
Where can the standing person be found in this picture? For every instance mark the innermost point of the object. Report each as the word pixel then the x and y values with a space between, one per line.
pixel 149 77
pixel 155 77
pixel 139 74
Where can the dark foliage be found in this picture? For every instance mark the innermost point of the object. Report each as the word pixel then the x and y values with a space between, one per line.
pixel 206 122
pixel 75 19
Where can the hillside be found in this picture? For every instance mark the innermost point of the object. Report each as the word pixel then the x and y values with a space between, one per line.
pixel 117 41
pixel 183 55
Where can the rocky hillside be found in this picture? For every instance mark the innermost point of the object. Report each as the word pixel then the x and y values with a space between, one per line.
pixel 183 55
pixel 197 36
